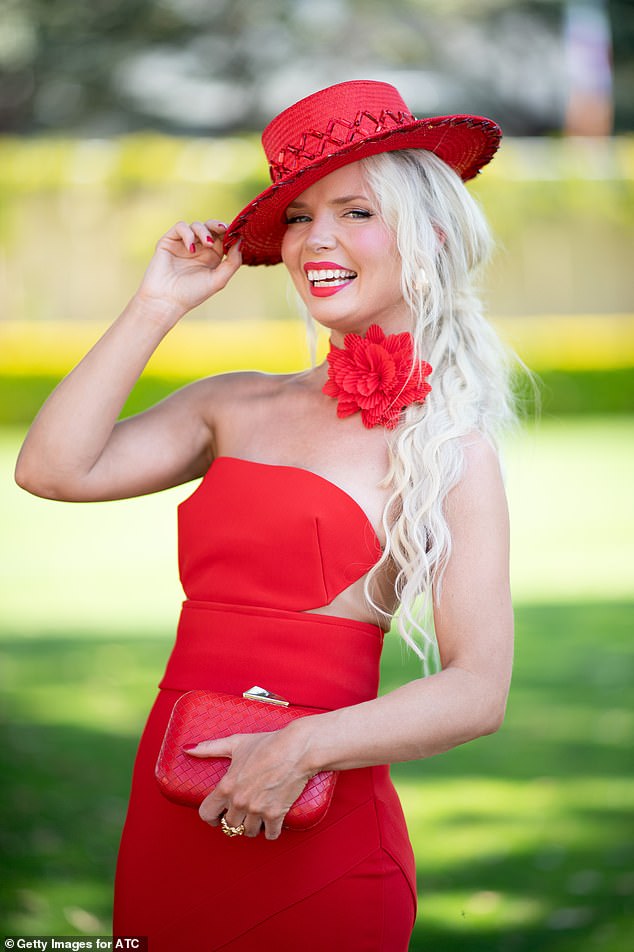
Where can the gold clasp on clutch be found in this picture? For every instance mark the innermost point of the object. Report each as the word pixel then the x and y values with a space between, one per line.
pixel 261 694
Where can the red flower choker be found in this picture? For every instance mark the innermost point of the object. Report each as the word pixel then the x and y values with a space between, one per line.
pixel 376 375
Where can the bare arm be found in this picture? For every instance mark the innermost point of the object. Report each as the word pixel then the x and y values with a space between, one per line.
pixel 76 450
pixel 474 625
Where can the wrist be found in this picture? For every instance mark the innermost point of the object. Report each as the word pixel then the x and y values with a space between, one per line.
pixel 164 313
pixel 302 735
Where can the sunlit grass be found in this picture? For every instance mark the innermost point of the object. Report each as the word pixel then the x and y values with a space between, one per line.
pixel 540 860
pixel 569 486
pixel 470 818
pixel 46 907
pixel 485 909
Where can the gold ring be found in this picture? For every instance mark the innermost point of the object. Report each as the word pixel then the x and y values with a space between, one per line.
pixel 231 830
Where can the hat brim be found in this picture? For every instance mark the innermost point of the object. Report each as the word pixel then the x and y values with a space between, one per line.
pixel 465 143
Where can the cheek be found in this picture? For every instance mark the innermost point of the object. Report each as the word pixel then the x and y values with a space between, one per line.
pixel 380 252
pixel 378 245
pixel 290 261
pixel 285 249
pixel 371 245
pixel 287 254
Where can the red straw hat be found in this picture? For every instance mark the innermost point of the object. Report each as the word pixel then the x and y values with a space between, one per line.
pixel 339 125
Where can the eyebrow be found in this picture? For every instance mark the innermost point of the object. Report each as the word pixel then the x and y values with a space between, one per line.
pixel 344 200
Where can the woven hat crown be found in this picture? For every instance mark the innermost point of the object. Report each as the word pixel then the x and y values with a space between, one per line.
pixel 330 120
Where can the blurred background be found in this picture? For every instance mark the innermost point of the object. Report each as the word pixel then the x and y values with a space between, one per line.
pixel 117 118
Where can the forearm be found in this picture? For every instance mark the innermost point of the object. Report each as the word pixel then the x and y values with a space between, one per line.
pixel 419 719
pixel 74 425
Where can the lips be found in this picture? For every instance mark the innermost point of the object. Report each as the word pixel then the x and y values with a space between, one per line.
pixel 327 277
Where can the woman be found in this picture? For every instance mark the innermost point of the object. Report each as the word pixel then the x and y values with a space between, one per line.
pixel 328 498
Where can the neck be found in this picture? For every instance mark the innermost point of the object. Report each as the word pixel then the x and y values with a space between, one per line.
pixel 398 326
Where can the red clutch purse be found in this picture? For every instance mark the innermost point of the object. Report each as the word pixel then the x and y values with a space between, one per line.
pixel 207 715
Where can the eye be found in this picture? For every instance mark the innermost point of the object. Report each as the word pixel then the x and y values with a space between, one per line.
pixel 358 213
pixel 293 219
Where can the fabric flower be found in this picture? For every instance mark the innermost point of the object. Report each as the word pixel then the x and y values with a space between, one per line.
pixel 375 374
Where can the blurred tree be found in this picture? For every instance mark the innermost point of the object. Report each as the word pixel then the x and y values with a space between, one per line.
pixel 622 19
pixel 192 66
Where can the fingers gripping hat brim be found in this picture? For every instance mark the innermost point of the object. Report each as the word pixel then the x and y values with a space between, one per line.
pixel 305 143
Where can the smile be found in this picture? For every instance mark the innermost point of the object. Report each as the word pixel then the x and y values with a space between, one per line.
pixel 327 277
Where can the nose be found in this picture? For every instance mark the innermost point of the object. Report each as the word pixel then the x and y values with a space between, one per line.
pixel 321 235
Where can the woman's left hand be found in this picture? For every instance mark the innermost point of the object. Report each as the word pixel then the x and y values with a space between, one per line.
pixel 260 786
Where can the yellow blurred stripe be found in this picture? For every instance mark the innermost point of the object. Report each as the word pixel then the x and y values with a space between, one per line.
pixel 192 349
pixel 565 342
pixel 571 341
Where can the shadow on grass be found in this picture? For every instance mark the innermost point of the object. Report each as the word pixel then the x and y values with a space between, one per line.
pixel 521 838
pixel 74 711
pixel 65 799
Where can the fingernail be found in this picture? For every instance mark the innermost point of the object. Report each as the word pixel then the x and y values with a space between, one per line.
pixel 221 224
pixel 210 239
pixel 192 248
pixel 188 746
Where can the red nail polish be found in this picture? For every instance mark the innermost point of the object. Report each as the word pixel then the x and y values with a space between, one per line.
pixel 189 746
pixel 210 239
pixel 192 248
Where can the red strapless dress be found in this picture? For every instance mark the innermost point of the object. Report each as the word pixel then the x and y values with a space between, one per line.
pixel 259 545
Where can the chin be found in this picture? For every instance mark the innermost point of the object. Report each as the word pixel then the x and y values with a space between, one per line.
pixel 337 318
pixel 344 325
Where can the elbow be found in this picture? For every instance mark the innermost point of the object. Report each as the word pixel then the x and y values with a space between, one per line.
pixel 493 712
pixel 23 476
pixel 25 481
pixel 481 699
pixel 32 481
pixel 494 722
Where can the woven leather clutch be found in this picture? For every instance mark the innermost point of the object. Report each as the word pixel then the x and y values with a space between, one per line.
pixel 207 715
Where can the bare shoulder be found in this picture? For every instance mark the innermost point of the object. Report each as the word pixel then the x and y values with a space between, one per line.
pixel 481 458
pixel 479 493
pixel 232 407
pixel 213 395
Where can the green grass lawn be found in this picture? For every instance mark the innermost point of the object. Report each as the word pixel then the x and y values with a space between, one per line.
pixel 521 838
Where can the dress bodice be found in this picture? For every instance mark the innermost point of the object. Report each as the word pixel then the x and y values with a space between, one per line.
pixel 271 536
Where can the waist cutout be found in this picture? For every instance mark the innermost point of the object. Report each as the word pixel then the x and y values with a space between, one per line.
pixel 310 659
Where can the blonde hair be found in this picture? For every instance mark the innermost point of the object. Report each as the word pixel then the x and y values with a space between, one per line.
pixel 443 240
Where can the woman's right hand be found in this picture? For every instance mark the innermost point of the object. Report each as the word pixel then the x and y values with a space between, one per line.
pixel 188 267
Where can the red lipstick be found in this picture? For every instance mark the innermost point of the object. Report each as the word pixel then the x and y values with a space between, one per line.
pixel 320 265
pixel 327 277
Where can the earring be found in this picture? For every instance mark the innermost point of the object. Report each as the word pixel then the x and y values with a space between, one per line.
pixel 421 282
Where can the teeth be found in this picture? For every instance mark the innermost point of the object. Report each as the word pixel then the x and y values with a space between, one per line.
pixel 326 274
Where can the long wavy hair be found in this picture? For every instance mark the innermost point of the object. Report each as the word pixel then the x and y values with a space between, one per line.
pixel 443 240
